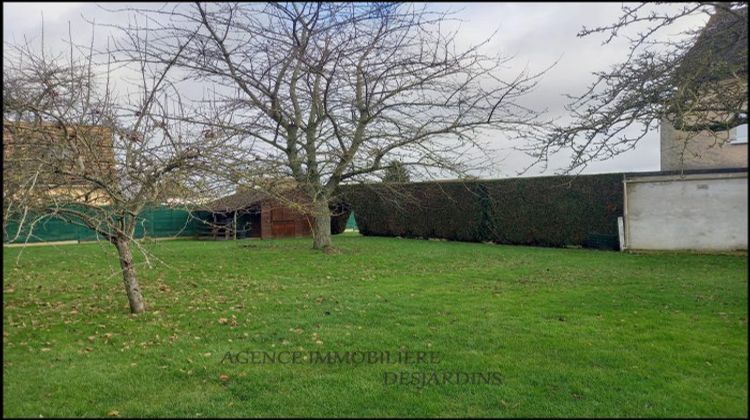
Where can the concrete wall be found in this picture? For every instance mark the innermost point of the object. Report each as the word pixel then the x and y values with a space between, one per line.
pixel 682 151
pixel 698 212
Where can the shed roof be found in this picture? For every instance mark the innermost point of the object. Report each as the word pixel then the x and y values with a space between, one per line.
pixel 240 200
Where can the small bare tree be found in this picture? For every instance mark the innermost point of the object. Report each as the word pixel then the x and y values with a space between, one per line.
pixel 696 79
pixel 76 151
pixel 328 93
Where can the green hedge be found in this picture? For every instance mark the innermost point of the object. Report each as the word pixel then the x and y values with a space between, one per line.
pixel 543 211
pixel 339 215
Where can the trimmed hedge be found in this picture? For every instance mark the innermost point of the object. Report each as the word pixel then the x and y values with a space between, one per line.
pixel 543 211
pixel 339 216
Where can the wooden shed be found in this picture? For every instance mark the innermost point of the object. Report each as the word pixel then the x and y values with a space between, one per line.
pixel 255 214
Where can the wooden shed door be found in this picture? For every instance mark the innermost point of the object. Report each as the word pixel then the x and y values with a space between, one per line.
pixel 282 229
pixel 282 222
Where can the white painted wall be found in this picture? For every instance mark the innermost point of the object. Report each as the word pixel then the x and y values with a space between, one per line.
pixel 698 212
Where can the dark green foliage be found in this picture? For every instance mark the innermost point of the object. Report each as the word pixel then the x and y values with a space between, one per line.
pixel 543 211
pixel 396 172
pixel 486 230
pixel 339 215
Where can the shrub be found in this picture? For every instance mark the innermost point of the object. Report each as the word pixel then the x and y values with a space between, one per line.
pixel 543 211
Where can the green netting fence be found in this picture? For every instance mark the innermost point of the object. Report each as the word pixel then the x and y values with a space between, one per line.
pixel 154 222
pixel 351 223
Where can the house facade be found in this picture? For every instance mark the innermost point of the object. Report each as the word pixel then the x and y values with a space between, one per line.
pixel 41 152
pixel 682 150
pixel 717 66
pixel 698 201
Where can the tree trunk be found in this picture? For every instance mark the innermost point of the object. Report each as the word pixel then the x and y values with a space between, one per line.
pixel 321 228
pixel 135 298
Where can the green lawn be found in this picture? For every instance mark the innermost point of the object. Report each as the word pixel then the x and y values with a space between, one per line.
pixel 570 332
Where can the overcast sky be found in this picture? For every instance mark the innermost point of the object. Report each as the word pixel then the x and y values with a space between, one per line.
pixel 537 34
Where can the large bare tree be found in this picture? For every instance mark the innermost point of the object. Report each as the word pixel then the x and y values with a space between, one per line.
pixel 76 150
pixel 331 93
pixel 694 79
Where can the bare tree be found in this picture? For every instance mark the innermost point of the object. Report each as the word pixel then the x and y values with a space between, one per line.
pixel 75 150
pixel 327 93
pixel 695 79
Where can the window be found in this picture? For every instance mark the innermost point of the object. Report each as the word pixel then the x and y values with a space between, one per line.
pixel 738 135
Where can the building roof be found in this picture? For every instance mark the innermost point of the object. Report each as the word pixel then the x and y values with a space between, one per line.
pixel 721 47
pixel 240 200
